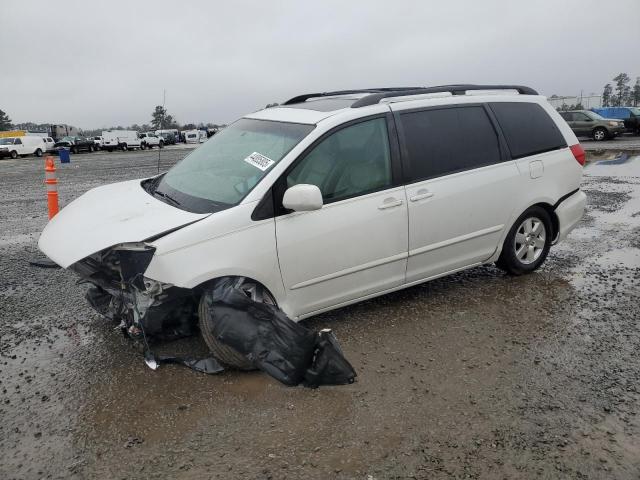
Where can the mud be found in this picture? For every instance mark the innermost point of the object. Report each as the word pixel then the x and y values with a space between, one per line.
pixel 478 375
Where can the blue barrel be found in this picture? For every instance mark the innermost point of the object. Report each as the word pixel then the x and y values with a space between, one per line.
pixel 65 156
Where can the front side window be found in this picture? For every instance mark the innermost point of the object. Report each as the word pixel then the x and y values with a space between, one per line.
pixel 352 161
pixel 18 142
pixel 223 170
pixel 449 140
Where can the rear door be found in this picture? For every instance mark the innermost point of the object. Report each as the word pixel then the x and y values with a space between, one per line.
pixel 356 244
pixel 460 186
pixel 583 123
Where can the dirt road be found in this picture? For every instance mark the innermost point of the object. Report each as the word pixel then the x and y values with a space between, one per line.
pixel 478 375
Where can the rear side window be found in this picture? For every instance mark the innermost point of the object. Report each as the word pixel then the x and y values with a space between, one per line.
pixel 527 128
pixel 448 140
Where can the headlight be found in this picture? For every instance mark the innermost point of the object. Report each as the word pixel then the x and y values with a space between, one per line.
pixel 614 124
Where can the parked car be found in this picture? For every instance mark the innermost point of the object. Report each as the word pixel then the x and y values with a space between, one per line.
pixel 50 144
pixel 630 116
pixel 586 123
pixel 15 147
pixel 76 144
pixel 328 200
pixel 98 142
pixel 120 140
pixel 168 138
pixel 150 140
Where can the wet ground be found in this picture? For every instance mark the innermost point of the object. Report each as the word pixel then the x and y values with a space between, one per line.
pixel 478 375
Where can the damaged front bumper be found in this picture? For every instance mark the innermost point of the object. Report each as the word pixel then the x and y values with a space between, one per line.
pixel 143 306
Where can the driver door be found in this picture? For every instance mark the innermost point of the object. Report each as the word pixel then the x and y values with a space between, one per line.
pixel 356 244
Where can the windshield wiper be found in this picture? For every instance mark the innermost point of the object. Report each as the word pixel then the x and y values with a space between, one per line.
pixel 166 196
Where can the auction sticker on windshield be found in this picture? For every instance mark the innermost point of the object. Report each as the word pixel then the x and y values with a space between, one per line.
pixel 260 161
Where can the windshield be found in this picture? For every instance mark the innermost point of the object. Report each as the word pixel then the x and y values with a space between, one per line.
pixel 223 170
pixel 635 111
pixel 6 141
pixel 594 115
pixel 67 139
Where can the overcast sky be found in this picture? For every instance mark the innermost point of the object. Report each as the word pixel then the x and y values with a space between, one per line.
pixel 96 64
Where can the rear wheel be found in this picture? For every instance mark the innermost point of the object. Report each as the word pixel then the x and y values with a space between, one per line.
pixel 527 244
pixel 161 144
pixel 222 352
pixel 600 134
pixel 38 152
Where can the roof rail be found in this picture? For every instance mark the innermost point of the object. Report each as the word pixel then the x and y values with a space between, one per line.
pixel 377 94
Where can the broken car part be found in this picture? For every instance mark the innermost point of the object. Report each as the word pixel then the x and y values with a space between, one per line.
pixel 272 342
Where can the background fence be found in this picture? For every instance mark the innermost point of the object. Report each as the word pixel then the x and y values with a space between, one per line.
pixel 580 101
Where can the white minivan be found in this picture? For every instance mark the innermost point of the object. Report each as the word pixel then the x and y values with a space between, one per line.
pixel 330 199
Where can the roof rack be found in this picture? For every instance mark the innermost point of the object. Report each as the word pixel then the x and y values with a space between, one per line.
pixel 376 94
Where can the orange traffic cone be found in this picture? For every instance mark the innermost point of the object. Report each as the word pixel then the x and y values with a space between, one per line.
pixel 52 186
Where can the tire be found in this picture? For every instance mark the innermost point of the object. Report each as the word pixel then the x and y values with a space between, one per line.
pixel 73 150
pixel 14 154
pixel 38 152
pixel 527 244
pixel 600 134
pixel 161 145
pixel 90 149
pixel 143 146
pixel 225 354
pixel 124 147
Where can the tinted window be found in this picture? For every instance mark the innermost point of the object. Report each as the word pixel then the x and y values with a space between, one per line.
pixel 18 142
pixel 528 128
pixel 350 162
pixel 448 140
pixel 567 116
pixel 580 117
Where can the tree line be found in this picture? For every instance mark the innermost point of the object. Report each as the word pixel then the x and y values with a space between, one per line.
pixel 160 119
pixel 621 93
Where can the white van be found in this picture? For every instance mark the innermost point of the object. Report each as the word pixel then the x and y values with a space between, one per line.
pixel 331 199
pixel 120 140
pixel 195 136
pixel 20 146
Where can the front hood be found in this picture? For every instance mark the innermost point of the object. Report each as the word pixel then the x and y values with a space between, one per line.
pixel 106 216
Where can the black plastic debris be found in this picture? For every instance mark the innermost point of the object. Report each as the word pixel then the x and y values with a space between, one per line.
pixel 329 366
pixel 43 262
pixel 205 365
pixel 286 350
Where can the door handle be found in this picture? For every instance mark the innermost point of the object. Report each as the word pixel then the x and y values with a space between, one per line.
pixel 421 195
pixel 389 203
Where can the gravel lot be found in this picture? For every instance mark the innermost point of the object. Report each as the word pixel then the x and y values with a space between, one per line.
pixel 478 375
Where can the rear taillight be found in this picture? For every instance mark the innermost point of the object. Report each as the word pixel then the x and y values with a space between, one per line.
pixel 578 153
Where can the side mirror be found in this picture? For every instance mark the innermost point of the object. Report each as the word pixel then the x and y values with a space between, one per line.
pixel 302 198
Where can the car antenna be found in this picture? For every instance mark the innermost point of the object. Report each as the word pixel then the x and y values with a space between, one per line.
pixel 164 99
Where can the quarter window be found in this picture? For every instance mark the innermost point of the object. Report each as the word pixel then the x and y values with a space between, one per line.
pixel 353 161
pixel 443 141
pixel 527 128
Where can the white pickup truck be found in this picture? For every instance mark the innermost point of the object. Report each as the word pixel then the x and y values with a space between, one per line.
pixel 150 140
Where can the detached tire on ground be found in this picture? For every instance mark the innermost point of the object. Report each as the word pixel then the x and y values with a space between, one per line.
pixel 223 353
pixel 527 244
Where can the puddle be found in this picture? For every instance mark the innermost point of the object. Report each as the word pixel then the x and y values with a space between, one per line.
pixel 613 163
